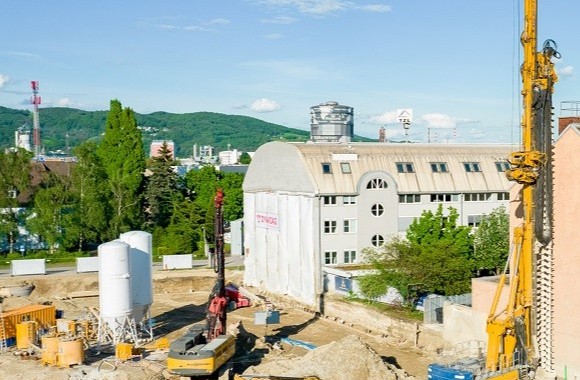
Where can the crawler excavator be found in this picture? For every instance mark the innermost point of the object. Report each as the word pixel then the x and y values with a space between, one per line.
pixel 206 347
pixel 519 335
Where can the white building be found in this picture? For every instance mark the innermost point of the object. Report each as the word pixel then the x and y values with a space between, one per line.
pixel 229 157
pixel 308 206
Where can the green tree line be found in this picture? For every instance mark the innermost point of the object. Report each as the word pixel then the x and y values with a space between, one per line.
pixel 113 188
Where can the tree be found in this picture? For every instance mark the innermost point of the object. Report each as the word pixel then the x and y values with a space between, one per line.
pixel 52 212
pixel 184 229
pixel 491 241
pixel 163 189
pixel 231 184
pixel 14 178
pixel 245 158
pixel 89 187
pixel 435 256
pixel 121 151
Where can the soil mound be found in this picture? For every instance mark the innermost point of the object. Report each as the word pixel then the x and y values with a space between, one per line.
pixel 346 359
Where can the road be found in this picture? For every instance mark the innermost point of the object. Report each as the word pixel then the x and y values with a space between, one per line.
pixel 230 261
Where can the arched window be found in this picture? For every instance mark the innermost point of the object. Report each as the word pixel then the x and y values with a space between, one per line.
pixel 377 240
pixel 377 209
pixel 377 183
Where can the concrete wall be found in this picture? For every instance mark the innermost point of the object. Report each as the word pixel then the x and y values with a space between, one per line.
pixel 566 308
pixel 463 324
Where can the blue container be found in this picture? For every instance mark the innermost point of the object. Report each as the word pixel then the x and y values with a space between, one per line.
pixel 440 372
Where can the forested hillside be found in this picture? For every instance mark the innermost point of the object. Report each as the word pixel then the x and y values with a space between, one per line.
pixel 67 126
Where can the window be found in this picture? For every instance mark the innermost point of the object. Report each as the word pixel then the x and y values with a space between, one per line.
pixel 409 198
pixel 329 200
pixel 377 183
pixel 444 197
pixel 349 200
pixel 439 167
pixel 474 220
pixel 330 226
pixel 345 167
pixel 477 197
pixel 472 167
pixel 503 196
pixel 330 257
pixel 377 240
pixel 349 225
pixel 326 168
pixel 502 166
pixel 377 209
pixel 349 256
pixel 405 167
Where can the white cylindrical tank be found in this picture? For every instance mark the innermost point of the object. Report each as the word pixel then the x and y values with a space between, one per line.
pixel 115 299
pixel 141 271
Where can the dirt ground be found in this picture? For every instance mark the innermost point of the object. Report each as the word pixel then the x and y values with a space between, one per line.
pixel 180 299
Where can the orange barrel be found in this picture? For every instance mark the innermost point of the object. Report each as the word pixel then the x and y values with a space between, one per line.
pixel 49 350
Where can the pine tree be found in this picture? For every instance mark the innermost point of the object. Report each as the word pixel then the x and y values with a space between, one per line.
pixel 163 189
pixel 121 151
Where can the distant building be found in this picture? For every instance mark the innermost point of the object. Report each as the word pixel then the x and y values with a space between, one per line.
pixel 204 154
pixel 229 157
pixel 308 206
pixel 22 139
pixel 155 148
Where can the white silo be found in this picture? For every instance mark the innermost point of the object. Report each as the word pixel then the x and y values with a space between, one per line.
pixel 141 271
pixel 115 298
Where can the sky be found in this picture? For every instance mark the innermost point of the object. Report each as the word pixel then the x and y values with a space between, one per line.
pixel 455 63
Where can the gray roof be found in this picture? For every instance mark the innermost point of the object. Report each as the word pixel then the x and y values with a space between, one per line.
pixel 297 167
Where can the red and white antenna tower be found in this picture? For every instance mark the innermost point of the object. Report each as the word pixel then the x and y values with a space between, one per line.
pixel 35 100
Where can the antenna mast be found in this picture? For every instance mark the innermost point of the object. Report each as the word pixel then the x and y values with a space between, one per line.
pixel 35 100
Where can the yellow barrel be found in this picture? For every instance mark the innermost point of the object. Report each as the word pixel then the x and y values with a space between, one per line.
pixel 123 351
pixel 26 333
pixel 49 350
pixel 70 352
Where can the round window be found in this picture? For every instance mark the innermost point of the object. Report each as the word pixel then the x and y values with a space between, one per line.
pixel 377 209
pixel 377 240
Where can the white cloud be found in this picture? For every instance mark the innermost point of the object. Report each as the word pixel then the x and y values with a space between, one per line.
pixel 166 26
pixel 195 28
pixel 3 80
pixel 217 21
pixel 314 7
pixel 388 117
pixel 265 105
pixel 378 8
pixel 284 20
pixel 439 120
pixel 566 71
pixel 64 102
pixel 274 36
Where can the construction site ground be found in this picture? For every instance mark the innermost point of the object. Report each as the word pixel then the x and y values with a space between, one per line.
pixel 180 299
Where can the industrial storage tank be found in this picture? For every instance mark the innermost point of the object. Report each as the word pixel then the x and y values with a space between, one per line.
pixel 141 271
pixel 115 297
pixel 331 122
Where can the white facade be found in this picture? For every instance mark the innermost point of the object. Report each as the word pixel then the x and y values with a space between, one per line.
pixel 312 205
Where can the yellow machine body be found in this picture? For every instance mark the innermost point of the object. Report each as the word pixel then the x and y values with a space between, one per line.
pixel 123 351
pixel 202 359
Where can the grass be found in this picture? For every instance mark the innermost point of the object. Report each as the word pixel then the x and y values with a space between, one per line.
pixel 400 312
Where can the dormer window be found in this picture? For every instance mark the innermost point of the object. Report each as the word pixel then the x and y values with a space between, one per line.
pixel 326 168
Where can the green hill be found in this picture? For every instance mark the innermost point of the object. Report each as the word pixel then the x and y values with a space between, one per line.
pixel 67 126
